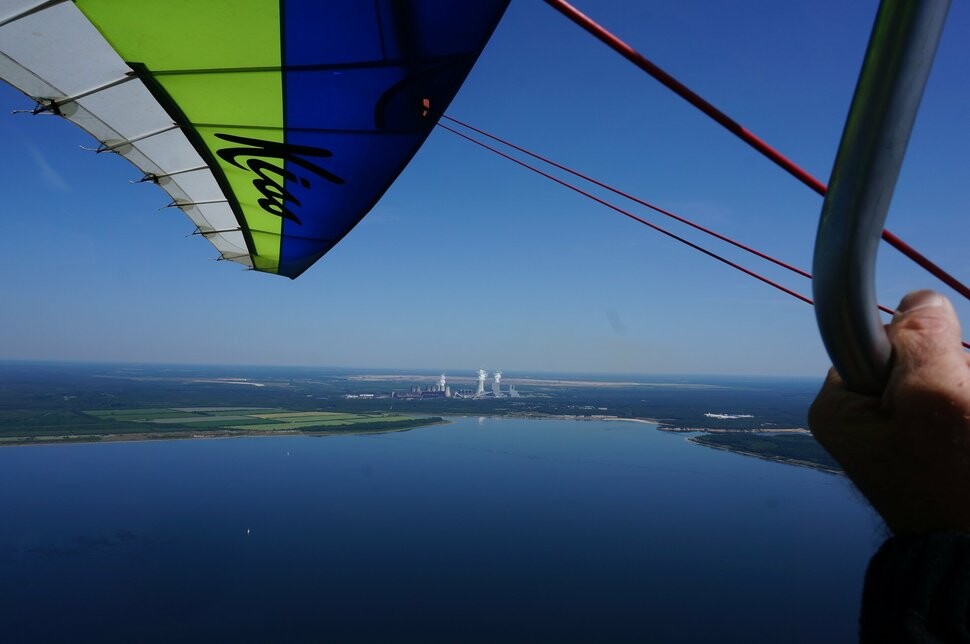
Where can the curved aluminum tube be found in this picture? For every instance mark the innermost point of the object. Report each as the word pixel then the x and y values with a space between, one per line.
pixel 897 64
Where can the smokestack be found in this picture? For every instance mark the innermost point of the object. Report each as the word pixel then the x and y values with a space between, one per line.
pixel 442 382
pixel 497 385
pixel 482 375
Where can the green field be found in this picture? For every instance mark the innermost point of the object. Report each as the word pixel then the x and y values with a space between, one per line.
pixel 137 415
pixel 323 422
pixel 175 422
pixel 241 419
pixel 302 414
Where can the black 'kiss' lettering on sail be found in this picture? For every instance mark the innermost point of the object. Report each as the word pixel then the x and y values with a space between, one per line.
pixel 271 179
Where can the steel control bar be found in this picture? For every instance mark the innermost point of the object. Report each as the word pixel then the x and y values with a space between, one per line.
pixel 894 73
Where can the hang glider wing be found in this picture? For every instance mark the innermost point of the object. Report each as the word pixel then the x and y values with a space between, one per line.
pixel 275 125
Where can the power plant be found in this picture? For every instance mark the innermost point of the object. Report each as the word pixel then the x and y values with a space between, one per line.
pixel 495 390
pixel 443 390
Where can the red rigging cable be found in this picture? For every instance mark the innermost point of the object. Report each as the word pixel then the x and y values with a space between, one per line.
pixel 615 208
pixel 740 131
pixel 631 216
pixel 626 195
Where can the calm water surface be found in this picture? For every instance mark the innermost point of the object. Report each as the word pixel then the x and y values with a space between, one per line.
pixel 481 530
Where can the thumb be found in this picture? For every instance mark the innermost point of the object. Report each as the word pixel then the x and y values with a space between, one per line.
pixel 925 336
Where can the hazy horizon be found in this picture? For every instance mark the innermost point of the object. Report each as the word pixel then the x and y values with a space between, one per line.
pixel 418 371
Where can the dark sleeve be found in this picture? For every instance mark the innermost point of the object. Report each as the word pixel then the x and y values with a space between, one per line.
pixel 918 590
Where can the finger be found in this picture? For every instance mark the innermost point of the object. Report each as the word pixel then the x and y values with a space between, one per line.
pixel 821 411
pixel 835 404
pixel 833 379
pixel 925 336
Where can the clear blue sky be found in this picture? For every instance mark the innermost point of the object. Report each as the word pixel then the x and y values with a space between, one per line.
pixel 469 261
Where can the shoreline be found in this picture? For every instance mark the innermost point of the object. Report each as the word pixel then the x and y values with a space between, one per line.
pixel 726 430
pixel 659 425
pixel 767 457
pixel 539 416
pixel 222 434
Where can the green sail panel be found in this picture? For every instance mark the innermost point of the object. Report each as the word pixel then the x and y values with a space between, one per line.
pixel 274 125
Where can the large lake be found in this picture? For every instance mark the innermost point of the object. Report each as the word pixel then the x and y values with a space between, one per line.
pixel 484 530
